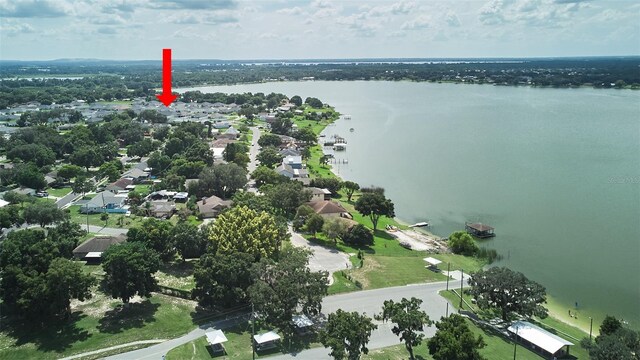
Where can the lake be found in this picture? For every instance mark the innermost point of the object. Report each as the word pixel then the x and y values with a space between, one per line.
pixel 555 171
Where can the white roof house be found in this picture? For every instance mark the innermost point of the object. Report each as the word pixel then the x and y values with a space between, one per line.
pixel 215 337
pixel 266 337
pixel 538 336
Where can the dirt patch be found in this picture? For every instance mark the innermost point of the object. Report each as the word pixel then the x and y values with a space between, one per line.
pixel 362 274
pixel 419 241
pixel 97 306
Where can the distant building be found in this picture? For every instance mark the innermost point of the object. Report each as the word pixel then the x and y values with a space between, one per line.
pixel 91 250
pixel 210 207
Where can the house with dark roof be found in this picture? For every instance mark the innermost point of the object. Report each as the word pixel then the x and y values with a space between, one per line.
pixel 136 174
pixel 92 249
pixel 210 207
pixel 119 185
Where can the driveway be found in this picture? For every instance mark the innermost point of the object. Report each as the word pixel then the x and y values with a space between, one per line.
pixel 323 258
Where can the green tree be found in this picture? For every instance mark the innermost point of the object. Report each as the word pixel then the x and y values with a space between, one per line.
pixel 331 184
pixel 455 341
pixel 313 102
pixel 110 171
pixel 408 321
pixel 313 224
pixel 306 135
pixel 129 269
pixel 296 100
pixel 508 291
pixel 82 185
pixel 221 180
pixel 610 325
pixel 35 153
pixel 28 175
pixel 281 289
pixel 188 240
pixel 44 213
pixel 324 159
pixel 66 280
pixel 156 235
pixel 347 334
pixel 462 243
pixel 244 230
pixel 335 228
pixel 152 116
pixel 267 139
pixel 374 205
pixel 264 175
pixel 303 212
pixel 286 197
pixel 269 157
pixel 86 157
pixel 359 235
pixel 223 279
pixel 350 187
pixel 68 171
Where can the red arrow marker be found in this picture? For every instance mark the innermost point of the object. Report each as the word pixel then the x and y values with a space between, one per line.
pixel 166 97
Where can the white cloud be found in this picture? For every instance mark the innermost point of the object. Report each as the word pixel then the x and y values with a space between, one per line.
pixel 452 19
pixel 15 27
pixel 291 11
pixel 419 23
pixel 34 9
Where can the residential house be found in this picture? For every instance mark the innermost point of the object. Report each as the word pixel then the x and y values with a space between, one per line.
pixel 119 185
pixel 25 191
pixel 318 194
pixel 161 195
pixel 301 175
pixel 92 249
pixel 162 209
pixel 105 202
pixel 210 207
pixel 328 208
pixel 181 197
pixel 136 174
pixel 295 161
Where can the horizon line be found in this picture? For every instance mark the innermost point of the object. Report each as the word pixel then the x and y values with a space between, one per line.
pixel 334 59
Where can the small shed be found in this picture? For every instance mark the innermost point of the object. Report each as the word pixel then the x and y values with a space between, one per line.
pixel 215 339
pixel 266 341
pixel 433 262
pixel 539 338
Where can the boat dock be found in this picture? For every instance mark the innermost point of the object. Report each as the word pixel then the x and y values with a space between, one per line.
pixel 479 230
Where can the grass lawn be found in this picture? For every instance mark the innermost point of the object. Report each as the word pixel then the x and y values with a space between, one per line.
pixel 497 348
pixel 115 220
pixel 98 323
pixel 143 189
pixel 177 275
pixel 59 192
pixel 550 323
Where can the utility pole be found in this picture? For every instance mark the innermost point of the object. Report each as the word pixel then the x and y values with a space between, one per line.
pixel 86 206
pixel 253 332
pixel 590 327
pixel 448 274
pixel 447 313
pixel 515 343
pixel 461 283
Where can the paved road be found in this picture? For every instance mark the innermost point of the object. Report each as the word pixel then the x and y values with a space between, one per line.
pixel 368 302
pixel 323 258
pixel 66 200
pixel 253 150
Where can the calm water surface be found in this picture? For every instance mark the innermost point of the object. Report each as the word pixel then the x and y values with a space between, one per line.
pixel 555 171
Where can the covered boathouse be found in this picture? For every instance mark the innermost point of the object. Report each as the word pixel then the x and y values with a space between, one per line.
pixel 479 230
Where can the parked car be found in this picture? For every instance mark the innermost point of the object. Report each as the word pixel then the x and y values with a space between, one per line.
pixel 42 194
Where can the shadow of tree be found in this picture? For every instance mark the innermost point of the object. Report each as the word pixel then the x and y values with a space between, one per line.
pixel 297 343
pixel 178 269
pixel 129 316
pixel 56 336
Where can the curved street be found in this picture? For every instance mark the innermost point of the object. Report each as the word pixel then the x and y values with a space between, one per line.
pixel 368 302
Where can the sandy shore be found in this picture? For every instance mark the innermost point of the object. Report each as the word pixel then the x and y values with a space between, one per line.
pixel 419 241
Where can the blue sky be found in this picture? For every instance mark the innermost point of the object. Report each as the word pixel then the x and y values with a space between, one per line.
pixel 274 29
